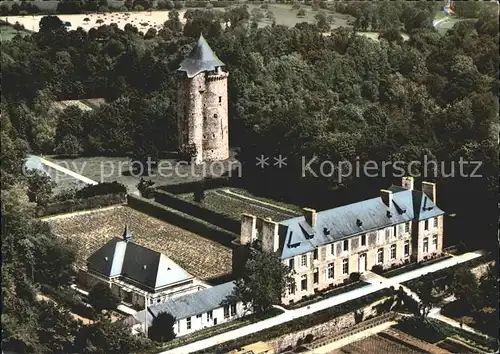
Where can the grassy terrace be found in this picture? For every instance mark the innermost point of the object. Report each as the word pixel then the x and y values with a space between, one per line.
pixel 234 202
pixel 199 256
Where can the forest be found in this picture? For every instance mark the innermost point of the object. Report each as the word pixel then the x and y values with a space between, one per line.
pixel 292 91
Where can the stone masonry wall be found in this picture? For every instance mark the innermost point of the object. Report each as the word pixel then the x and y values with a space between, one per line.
pixel 281 343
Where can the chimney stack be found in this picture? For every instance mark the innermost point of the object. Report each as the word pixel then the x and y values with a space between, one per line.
pixel 310 215
pixel 408 183
pixel 248 229
pixel 429 189
pixel 386 197
pixel 127 235
pixel 270 236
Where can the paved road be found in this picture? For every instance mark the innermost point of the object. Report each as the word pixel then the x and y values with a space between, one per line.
pixel 320 305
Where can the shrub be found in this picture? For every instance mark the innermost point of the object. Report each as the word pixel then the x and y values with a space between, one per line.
pixel 178 5
pixel 378 269
pixel 101 189
pixel 355 276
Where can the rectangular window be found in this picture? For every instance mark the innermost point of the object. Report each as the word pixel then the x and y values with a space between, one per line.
pixel 407 227
pixel 304 260
pixel 426 225
pixel 380 256
pixel 331 271
pixel 303 282
pixel 345 245
pixel 210 315
pixel 345 266
pixel 291 263
pixel 426 244
pixel 315 254
pixel 188 323
pixel 407 248
pixel 363 240
pixel 393 252
pixel 434 242
pixel 332 249
pixel 316 276
pixel 220 99
pixel 394 232
pixel 226 311
pixel 387 233
pixel 291 288
pixel 435 222
pixel 198 316
pixel 233 309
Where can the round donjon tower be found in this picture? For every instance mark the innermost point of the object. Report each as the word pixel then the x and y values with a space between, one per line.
pixel 202 114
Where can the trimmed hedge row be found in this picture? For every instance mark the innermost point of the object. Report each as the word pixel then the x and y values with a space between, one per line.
pixel 299 323
pixel 72 205
pixel 208 183
pixel 182 220
pixel 212 217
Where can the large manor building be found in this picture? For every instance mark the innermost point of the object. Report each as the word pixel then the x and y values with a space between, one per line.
pixel 323 248
pixel 202 106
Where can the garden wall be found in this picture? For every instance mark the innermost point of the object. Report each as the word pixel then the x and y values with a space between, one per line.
pixel 182 220
pixel 212 217
pixel 335 325
pixel 209 183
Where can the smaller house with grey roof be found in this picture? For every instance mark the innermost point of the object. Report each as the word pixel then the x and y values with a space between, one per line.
pixel 193 311
pixel 138 275
pixel 401 225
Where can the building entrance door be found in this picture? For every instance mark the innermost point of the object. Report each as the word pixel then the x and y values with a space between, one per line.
pixel 362 262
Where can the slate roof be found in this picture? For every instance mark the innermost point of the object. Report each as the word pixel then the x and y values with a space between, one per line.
pixel 189 305
pixel 119 257
pixel 298 237
pixel 202 58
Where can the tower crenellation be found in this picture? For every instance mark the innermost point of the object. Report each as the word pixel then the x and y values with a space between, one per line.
pixel 202 108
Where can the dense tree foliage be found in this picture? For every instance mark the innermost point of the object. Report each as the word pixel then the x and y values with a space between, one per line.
pixel 101 297
pixel 292 91
pixel 162 328
pixel 263 282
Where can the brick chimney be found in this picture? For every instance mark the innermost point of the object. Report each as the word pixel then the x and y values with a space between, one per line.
pixel 429 190
pixel 270 236
pixel 310 215
pixel 248 229
pixel 386 197
pixel 408 182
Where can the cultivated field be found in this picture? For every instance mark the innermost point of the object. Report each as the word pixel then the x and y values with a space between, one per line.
pixel 391 341
pixel 234 202
pixel 144 20
pixel 199 256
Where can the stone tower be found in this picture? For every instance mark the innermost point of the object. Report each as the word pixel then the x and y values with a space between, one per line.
pixel 202 114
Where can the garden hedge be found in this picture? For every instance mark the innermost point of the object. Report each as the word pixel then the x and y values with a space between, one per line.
pixel 78 204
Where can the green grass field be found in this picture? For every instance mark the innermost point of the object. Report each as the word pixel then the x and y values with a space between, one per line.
pixel 8 32
pixel 234 202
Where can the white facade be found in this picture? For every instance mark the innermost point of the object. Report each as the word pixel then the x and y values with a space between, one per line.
pixel 211 318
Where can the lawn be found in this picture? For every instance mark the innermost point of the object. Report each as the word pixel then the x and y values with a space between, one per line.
pixel 199 256
pixel 232 204
pixel 8 32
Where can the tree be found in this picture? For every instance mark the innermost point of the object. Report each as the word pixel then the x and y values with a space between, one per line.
pixel 424 292
pixel 263 282
pixel 57 329
pixel 144 187
pixel 102 298
pixel 40 187
pixel 322 22
pixel 464 287
pixel 162 327
pixel 301 13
